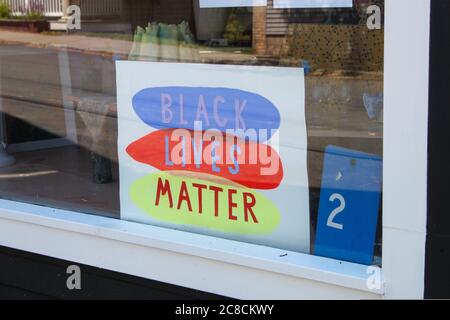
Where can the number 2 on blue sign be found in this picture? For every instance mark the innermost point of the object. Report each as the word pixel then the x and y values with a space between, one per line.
pixel 335 212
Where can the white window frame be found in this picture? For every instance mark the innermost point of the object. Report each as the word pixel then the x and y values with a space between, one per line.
pixel 248 271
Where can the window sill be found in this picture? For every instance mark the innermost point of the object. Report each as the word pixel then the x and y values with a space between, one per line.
pixel 220 266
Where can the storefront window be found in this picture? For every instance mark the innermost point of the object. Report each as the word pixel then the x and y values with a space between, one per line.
pixel 256 121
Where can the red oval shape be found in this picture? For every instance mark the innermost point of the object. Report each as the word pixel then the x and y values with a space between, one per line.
pixel 248 163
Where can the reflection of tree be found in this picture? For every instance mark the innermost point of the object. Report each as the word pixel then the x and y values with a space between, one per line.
pixel 235 29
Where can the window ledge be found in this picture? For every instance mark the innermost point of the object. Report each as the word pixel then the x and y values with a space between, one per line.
pixel 186 259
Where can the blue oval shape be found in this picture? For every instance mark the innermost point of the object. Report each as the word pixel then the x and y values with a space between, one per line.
pixel 217 108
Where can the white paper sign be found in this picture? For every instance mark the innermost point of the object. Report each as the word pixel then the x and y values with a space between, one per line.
pixel 278 4
pixel 232 3
pixel 184 165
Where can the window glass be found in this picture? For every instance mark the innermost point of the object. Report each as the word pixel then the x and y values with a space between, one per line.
pixel 92 91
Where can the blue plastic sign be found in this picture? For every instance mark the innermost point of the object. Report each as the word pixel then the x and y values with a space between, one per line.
pixel 349 205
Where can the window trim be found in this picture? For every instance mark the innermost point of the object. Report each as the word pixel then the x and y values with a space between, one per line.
pixel 63 234
pixel 405 149
pixel 242 270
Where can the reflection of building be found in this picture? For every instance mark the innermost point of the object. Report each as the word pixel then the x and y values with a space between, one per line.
pixel 306 35
pixel 134 11
pixel 57 8
pixel 273 32
pixel 140 12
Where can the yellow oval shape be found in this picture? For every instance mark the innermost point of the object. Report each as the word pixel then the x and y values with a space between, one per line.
pixel 189 201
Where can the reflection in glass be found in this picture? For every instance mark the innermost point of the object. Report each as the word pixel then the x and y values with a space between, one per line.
pixel 58 88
